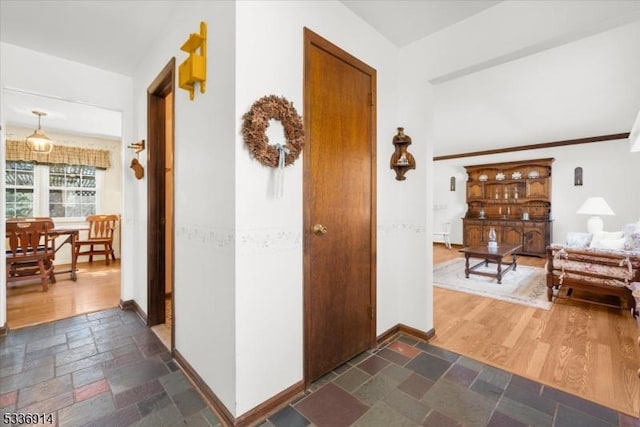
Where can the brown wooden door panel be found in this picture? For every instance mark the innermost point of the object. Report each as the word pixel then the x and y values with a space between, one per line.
pixel 512 234
pixel 339 195
pixel 472 233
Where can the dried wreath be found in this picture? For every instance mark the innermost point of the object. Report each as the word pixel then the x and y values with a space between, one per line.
pixel 256 122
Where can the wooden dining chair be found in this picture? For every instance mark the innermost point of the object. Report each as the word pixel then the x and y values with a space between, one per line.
pixel 50 226
pixel 30 251
pixel 99 240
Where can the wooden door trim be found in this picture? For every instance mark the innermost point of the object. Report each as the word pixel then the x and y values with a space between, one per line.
pixel 157 91
pixel 313 39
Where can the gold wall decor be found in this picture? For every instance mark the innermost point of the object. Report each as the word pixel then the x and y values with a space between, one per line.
pixel 194 69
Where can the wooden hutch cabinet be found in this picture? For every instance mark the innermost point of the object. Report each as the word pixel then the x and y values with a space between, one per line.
pixel 514 198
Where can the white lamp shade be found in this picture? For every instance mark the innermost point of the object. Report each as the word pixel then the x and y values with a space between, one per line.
pixel 595 206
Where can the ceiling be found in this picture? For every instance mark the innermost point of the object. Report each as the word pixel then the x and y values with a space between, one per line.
pixel 405 21
pixel 111 34
pixel 83 31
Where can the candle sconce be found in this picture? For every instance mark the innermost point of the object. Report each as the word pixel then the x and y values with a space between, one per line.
pixel 401 159
pixel 137 146
pixel 194 69
pixel 577 176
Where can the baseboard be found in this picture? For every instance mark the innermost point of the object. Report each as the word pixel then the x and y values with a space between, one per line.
pixel 401 329
pixel 286 396
pixel 219 408
pixel 267 407
pixel 417 333
pixel 388 335
pixel 4 330
pixel 250 417
pixel 132 305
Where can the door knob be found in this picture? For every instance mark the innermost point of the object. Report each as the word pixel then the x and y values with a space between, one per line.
pixel 319 229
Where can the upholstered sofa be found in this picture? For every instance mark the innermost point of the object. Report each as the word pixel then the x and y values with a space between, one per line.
pixel 605 264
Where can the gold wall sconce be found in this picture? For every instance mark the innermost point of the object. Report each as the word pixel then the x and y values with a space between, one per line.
pixel 138 169
pixel 194 69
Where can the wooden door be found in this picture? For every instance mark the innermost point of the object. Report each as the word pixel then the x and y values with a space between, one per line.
pixel 160 107
pixel 339 198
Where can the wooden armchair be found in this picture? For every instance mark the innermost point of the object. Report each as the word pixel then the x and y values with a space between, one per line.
pixel 30 251
pixel 99 241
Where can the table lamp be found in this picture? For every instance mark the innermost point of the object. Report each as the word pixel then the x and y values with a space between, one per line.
pixel 595 206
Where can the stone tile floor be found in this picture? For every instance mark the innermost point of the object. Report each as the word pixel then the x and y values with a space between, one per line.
pixel 411 383
pixel 108 369
pixel 101 369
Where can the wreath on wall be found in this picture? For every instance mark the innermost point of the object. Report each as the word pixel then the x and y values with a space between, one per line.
pixel 256 122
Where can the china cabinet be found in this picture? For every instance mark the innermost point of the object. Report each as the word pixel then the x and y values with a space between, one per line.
pixel 514 198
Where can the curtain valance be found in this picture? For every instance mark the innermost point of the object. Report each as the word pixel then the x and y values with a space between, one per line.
pixel 61 154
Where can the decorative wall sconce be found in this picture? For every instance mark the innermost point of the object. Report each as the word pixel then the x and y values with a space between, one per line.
pixel 452 183
pixel 137 146
pixel 401 159
pixel 577 176
pixel 138 169
pixel 194 69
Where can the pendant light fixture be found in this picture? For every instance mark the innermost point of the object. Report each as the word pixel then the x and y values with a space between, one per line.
pixel 38 142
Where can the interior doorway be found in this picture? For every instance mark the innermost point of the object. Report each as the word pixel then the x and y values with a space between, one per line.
pixel 160 191
pixel 339 206
pixel 37 190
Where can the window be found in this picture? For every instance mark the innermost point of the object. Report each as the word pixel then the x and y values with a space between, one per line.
pixel 72 191
pixel 19 189
pixel 58 191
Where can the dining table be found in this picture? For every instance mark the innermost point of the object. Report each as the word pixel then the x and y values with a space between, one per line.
pixel 70 234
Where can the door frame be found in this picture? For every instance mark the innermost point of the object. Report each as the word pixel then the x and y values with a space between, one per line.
pixel 157 92
pixel 313 39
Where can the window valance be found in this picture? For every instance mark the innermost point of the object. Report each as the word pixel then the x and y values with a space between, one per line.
pixel 61 154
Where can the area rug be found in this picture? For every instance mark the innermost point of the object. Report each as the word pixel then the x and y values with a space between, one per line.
pixel 526 285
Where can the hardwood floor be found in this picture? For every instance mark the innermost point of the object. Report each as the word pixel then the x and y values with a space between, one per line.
pixel 584 349
pixel 97 288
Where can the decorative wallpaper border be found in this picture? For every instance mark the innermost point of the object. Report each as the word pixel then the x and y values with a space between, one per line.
pixel 270 239
pixel 262 240
pixel 395 228
pixel 244 241
pixel 222 239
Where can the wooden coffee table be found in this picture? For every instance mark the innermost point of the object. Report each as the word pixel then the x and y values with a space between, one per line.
pixel 490 255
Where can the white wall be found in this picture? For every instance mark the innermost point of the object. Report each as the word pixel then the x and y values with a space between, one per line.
pixel 205 131
pixel 269 252
pixel 252 303
pixel 38 73
pixel 586 88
